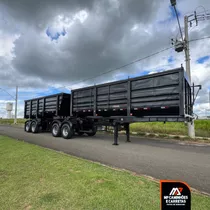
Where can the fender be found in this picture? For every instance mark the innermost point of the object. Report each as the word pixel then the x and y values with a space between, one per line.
pixel 28 121
pixel 38 121
pixel 67 121
pixel 57 121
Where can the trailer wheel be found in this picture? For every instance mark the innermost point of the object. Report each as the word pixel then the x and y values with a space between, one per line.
pixel 56 131
pixel 28 126
pixel 67 131
pixel 93 132
pixel 34 127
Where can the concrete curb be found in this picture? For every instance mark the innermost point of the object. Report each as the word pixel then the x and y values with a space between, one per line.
pixel 186 139
pixel 172 136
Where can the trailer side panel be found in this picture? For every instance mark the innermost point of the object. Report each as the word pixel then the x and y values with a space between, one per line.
pixel 49 106
pixel 150 95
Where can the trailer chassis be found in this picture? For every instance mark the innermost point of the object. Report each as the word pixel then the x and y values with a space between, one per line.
pixel 125 121
pixel 87 125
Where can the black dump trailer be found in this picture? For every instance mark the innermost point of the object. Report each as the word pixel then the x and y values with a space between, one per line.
pixel 166 97
pixel 44 110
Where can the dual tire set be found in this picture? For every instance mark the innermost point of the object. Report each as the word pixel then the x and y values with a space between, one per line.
pixel 31 126
pixel 66 130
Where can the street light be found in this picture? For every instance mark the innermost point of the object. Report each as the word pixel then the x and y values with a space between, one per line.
pixel 179 47
pixel 173 3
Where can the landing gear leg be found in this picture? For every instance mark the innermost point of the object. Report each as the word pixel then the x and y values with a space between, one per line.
pixel 127 128
pixel 115 135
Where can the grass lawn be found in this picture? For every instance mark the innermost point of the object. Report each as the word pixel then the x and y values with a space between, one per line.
pixel 11 121
pixel 32 177
pixel 202 128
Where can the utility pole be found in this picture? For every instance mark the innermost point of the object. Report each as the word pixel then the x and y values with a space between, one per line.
pixel 16 100
pixel 191 125
pixel 209 99
pixel 187 48
pixel 184 45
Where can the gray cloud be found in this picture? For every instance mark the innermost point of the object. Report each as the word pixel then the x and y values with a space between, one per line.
pixel 102 42
pixel 38 12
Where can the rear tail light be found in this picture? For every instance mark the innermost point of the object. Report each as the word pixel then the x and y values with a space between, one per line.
pixel 164 107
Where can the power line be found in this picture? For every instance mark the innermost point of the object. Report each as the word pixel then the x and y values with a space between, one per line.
pixel 201 12
pixel 131 63
pixel 7 93
pixel 204 9
pixel 120 67
pixel 128 64
pixel 206 37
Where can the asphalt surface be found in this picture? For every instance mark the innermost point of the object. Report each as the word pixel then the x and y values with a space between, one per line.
pixel 160 159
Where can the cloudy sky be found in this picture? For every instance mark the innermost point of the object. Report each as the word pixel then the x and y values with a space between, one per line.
pixel 52 46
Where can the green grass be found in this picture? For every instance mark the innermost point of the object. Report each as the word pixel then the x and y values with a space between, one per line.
pixel 202 128
pixel 11 121
pixel 32 177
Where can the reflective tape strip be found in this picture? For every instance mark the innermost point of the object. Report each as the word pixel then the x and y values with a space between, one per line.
pixel 164 107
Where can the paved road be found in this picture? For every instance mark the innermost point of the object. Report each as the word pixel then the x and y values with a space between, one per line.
pixel 160 159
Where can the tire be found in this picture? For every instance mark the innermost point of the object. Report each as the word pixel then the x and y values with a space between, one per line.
pixel 56 130
pixel 34 127
pixel 93 132
pixel 28 126
pixel 67 131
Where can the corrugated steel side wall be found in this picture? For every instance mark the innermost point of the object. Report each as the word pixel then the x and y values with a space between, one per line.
pixel 154 94
pixel 49 106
